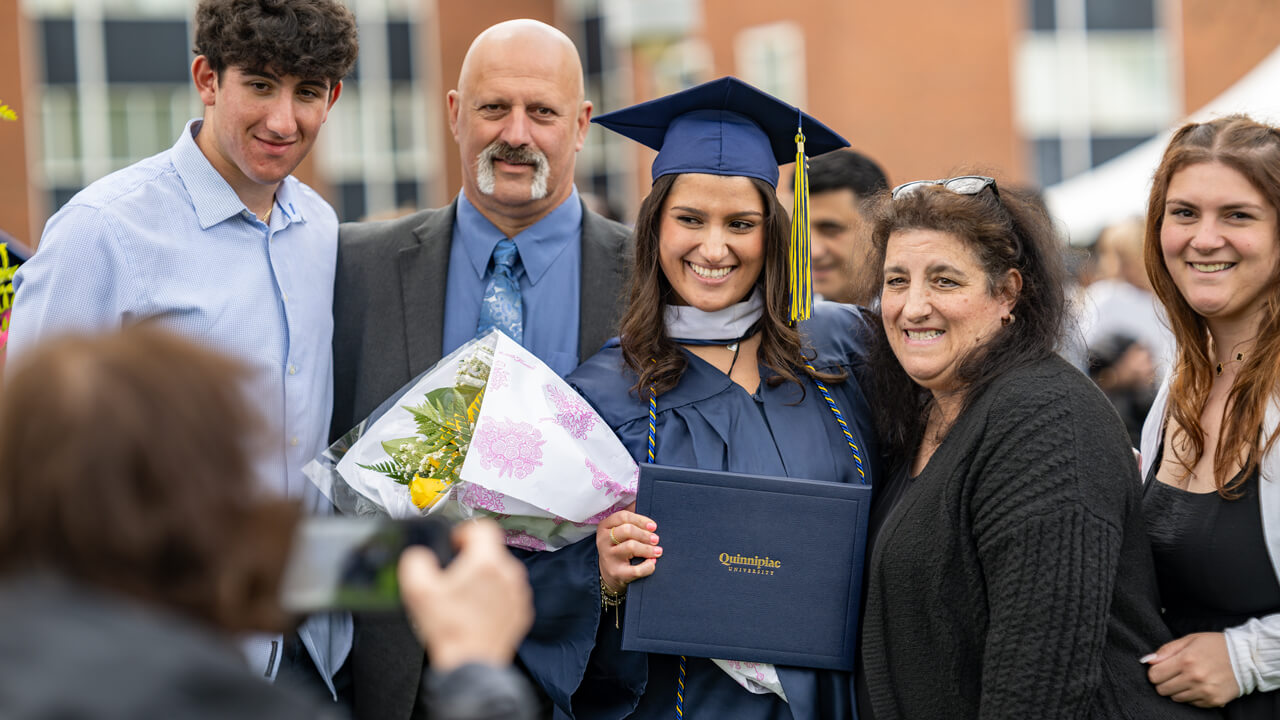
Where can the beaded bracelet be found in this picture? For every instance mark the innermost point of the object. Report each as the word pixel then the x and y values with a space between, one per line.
pixel 610 598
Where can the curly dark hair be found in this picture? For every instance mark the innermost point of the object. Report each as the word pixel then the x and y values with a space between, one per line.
pixel 1006 229
pixel 309 39
pixel 129 465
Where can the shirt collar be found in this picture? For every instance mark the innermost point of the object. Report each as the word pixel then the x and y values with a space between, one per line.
pixel 539 244
pixel 288 201
pixel 211 194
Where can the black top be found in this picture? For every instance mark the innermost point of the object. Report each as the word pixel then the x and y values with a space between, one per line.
pixel 884 497
pixel 1212 566
pixel 1013 577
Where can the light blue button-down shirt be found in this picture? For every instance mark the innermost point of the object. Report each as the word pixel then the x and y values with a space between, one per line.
pixel 167 239
pixel 550 280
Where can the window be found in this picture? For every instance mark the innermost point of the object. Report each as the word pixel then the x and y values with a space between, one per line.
pixel 1092 80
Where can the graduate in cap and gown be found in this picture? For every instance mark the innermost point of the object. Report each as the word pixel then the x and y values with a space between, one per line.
pixel 722 336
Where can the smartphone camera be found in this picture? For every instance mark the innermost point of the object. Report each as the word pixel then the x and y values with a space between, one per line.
pixel 350 563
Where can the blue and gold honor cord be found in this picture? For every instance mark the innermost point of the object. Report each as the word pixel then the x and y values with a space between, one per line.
pixel 844 427
pixel 653 431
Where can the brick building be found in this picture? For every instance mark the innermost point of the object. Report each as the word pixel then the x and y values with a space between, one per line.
pixel 1034 91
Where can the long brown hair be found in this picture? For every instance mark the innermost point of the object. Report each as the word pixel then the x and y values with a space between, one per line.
pixel 1253 150
pixel 128 464
pixel 646 347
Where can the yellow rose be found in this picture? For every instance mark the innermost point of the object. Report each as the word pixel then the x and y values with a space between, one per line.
pixel 425 491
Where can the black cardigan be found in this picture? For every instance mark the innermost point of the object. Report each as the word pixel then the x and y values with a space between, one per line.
pixel 1013 578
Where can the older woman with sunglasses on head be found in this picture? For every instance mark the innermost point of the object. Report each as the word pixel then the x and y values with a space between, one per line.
pixel 1010 575
pixel 1210 463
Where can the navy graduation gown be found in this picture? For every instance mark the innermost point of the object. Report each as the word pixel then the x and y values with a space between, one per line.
pixel 708 422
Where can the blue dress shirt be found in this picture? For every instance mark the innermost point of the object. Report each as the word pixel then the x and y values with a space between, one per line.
pixel 550 278
pixel 168 240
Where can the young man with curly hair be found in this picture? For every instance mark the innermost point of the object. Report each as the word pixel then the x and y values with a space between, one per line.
pixel 215 239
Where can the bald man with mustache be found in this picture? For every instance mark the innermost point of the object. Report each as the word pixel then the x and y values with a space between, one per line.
pixel 409 291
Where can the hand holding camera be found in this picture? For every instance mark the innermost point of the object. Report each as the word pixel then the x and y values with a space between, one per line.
pixel 478 609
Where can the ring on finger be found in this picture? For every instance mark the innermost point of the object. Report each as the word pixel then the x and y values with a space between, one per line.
pixel 615 540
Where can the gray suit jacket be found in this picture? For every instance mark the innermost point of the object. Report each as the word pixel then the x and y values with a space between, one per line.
pixel 388 311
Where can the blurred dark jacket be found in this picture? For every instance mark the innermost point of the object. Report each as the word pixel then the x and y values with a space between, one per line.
pixel 71 651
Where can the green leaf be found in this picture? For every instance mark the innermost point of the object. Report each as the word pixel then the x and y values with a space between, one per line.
pixel 391 470
pixel 391 447
pixel 468 393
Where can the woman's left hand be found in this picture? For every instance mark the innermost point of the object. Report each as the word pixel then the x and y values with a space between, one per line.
pixel 1194 669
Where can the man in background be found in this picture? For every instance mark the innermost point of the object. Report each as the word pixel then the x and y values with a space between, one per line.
pixel 841 184
pixel 217 241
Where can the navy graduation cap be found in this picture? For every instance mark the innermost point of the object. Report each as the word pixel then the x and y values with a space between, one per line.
pixel 727 127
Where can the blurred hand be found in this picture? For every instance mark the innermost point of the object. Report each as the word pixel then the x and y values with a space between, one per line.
pixel 476 610
pixel 1194 669
pixel 620 537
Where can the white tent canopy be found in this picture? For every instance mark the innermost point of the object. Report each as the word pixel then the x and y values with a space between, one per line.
pixel 1118 188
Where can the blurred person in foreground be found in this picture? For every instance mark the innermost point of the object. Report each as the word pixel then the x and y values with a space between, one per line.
pixel 841 187
pixel 215 239
pixel 1209 445
pixel 135 544
pixel 1009 572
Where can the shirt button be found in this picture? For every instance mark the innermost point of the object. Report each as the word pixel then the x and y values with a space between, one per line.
pixel 293 369
pixel 284 296
pixel 293 441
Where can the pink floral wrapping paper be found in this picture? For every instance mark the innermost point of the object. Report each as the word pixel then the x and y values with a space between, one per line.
pixel 540 461
pixel 538 442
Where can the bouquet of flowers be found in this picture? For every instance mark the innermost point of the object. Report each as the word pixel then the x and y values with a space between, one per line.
pixel 489 431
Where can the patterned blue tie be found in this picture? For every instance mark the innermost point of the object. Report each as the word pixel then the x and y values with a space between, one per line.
pixel 502 307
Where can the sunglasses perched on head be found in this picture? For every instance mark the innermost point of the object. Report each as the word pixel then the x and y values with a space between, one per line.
pixel 963 185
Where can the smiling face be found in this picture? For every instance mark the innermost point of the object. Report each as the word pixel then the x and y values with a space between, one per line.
pixel 1219 240
pixel 519 119
pixel 258 126
pixel 711 239
pixel 937 305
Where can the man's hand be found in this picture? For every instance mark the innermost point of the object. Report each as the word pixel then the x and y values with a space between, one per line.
pixel 475 611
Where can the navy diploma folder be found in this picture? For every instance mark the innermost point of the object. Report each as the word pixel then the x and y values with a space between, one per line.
pixel 758 569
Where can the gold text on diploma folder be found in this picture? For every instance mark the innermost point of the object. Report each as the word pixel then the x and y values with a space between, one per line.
pixel 753 564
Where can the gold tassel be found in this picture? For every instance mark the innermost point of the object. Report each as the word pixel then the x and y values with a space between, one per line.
pixel 801 279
